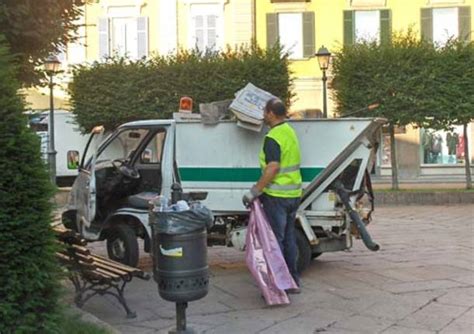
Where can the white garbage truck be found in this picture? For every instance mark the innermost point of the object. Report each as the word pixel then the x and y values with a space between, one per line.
pixel 121 174
pixel 69 143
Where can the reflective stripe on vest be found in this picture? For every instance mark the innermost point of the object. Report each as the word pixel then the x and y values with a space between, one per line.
pixel 287 183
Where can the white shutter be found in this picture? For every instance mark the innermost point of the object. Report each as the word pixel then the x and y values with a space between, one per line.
pixel 212 32
pixel 142 36
pixel 103 27
pixel 199 39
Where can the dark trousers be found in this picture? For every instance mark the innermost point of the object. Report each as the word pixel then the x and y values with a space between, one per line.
pixel 281 213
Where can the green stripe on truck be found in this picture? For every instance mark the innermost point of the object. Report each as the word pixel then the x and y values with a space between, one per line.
pixel 216 174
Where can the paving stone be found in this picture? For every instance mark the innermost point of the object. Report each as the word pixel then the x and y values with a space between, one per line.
pixel 408 287
pixel 434 316
pixel 461 297
pixel 363 324
pixel 406 330
pixel 458 327
pixel 467 317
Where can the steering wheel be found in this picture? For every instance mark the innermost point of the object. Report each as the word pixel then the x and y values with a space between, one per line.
pixel 126 170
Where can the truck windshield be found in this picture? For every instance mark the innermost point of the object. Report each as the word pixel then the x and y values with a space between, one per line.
pixel 123 145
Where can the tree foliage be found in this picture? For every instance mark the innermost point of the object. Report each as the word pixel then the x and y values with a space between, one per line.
pixel 29 273
pixel 34 29
pixel 395 74
pixel 121 90
pixel 413 81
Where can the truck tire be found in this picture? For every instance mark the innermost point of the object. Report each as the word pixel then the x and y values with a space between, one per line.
pixel 315 255
pixel 303 254
pixel 122 245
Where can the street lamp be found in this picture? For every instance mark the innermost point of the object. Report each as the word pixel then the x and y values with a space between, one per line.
pixel 51 66
pixel 324 56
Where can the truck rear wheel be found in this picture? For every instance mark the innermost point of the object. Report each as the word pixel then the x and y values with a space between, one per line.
pixel 122 245
pixel 303 256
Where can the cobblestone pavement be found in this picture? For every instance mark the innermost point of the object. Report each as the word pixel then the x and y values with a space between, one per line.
pixel 421 281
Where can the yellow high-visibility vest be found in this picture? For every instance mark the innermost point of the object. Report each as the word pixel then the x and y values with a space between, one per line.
pixel 287 183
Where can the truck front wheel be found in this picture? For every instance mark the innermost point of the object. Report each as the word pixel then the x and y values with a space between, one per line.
pixel 122 245
pixel 303 256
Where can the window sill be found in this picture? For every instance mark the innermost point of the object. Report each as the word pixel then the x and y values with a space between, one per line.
pixel 299 59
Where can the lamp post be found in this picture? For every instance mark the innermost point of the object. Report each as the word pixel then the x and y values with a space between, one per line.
pixel 51 66
pixel 324 56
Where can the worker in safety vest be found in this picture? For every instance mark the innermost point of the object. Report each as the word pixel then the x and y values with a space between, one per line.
pixel 279 187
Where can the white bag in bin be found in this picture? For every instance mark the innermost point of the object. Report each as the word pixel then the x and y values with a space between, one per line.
pixel 251 101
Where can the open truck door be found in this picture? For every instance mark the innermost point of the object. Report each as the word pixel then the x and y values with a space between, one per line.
pixel 86 193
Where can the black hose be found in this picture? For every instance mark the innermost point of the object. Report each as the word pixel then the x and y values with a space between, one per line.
pixel 364 234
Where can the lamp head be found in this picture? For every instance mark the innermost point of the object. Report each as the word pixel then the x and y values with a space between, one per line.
pixel 52 64
pixel 323 56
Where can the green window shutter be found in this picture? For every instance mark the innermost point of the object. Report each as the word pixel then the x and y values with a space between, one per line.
pixel 308 34
pixel 385 26
pixel 464 21
pixel 349 27
pixel 427 24
pixel 272 29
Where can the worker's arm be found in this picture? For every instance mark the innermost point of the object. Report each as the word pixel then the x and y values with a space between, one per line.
pixel 272 155
pixel 269 173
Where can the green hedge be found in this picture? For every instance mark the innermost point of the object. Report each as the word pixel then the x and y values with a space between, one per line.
pixel 29 283
pixel 121 90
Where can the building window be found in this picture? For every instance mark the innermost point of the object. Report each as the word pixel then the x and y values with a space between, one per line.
pixel 367 25
pixel 122 33
pixel 294 31
pixel 291 34
pixel 124 41
pixel 445 25
pixel 442 24
pixel 206 27
pixel 442 147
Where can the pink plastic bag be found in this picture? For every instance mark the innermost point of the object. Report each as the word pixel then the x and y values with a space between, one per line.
pixel 265 259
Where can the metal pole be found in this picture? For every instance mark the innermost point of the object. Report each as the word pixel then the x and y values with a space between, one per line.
pixel 51 149
pixel 181 320
pixel 325 106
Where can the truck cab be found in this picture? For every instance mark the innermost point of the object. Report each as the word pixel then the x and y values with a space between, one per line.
pixel 110 198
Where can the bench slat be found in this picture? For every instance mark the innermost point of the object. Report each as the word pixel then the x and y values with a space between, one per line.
pixel 115 264
pixel 107 274
pixel 79 256
pixel 110 269
pixel 67 260
pixel 95 266
pixel 77 248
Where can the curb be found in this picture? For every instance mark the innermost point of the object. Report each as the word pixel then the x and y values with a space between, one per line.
pixel 423 198
pixel 88 317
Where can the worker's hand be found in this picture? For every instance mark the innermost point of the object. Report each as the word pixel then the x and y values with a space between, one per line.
pixel 250 196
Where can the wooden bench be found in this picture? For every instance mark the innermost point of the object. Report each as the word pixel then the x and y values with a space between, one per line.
pixel 93 274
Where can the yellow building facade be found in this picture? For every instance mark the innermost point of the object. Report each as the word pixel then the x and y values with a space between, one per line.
pixel 306 25
pixel 303 26
pixel 140 28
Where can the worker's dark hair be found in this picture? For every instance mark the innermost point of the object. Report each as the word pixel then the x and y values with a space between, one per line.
pixel 276 106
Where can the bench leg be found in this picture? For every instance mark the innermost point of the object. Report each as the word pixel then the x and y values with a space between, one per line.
pixel 99 288
pixel 79 287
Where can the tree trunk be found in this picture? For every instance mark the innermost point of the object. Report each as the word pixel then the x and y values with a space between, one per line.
pixel 467 159
pixel 393 158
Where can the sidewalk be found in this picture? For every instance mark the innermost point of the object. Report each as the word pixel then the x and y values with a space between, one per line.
pixel 421 281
